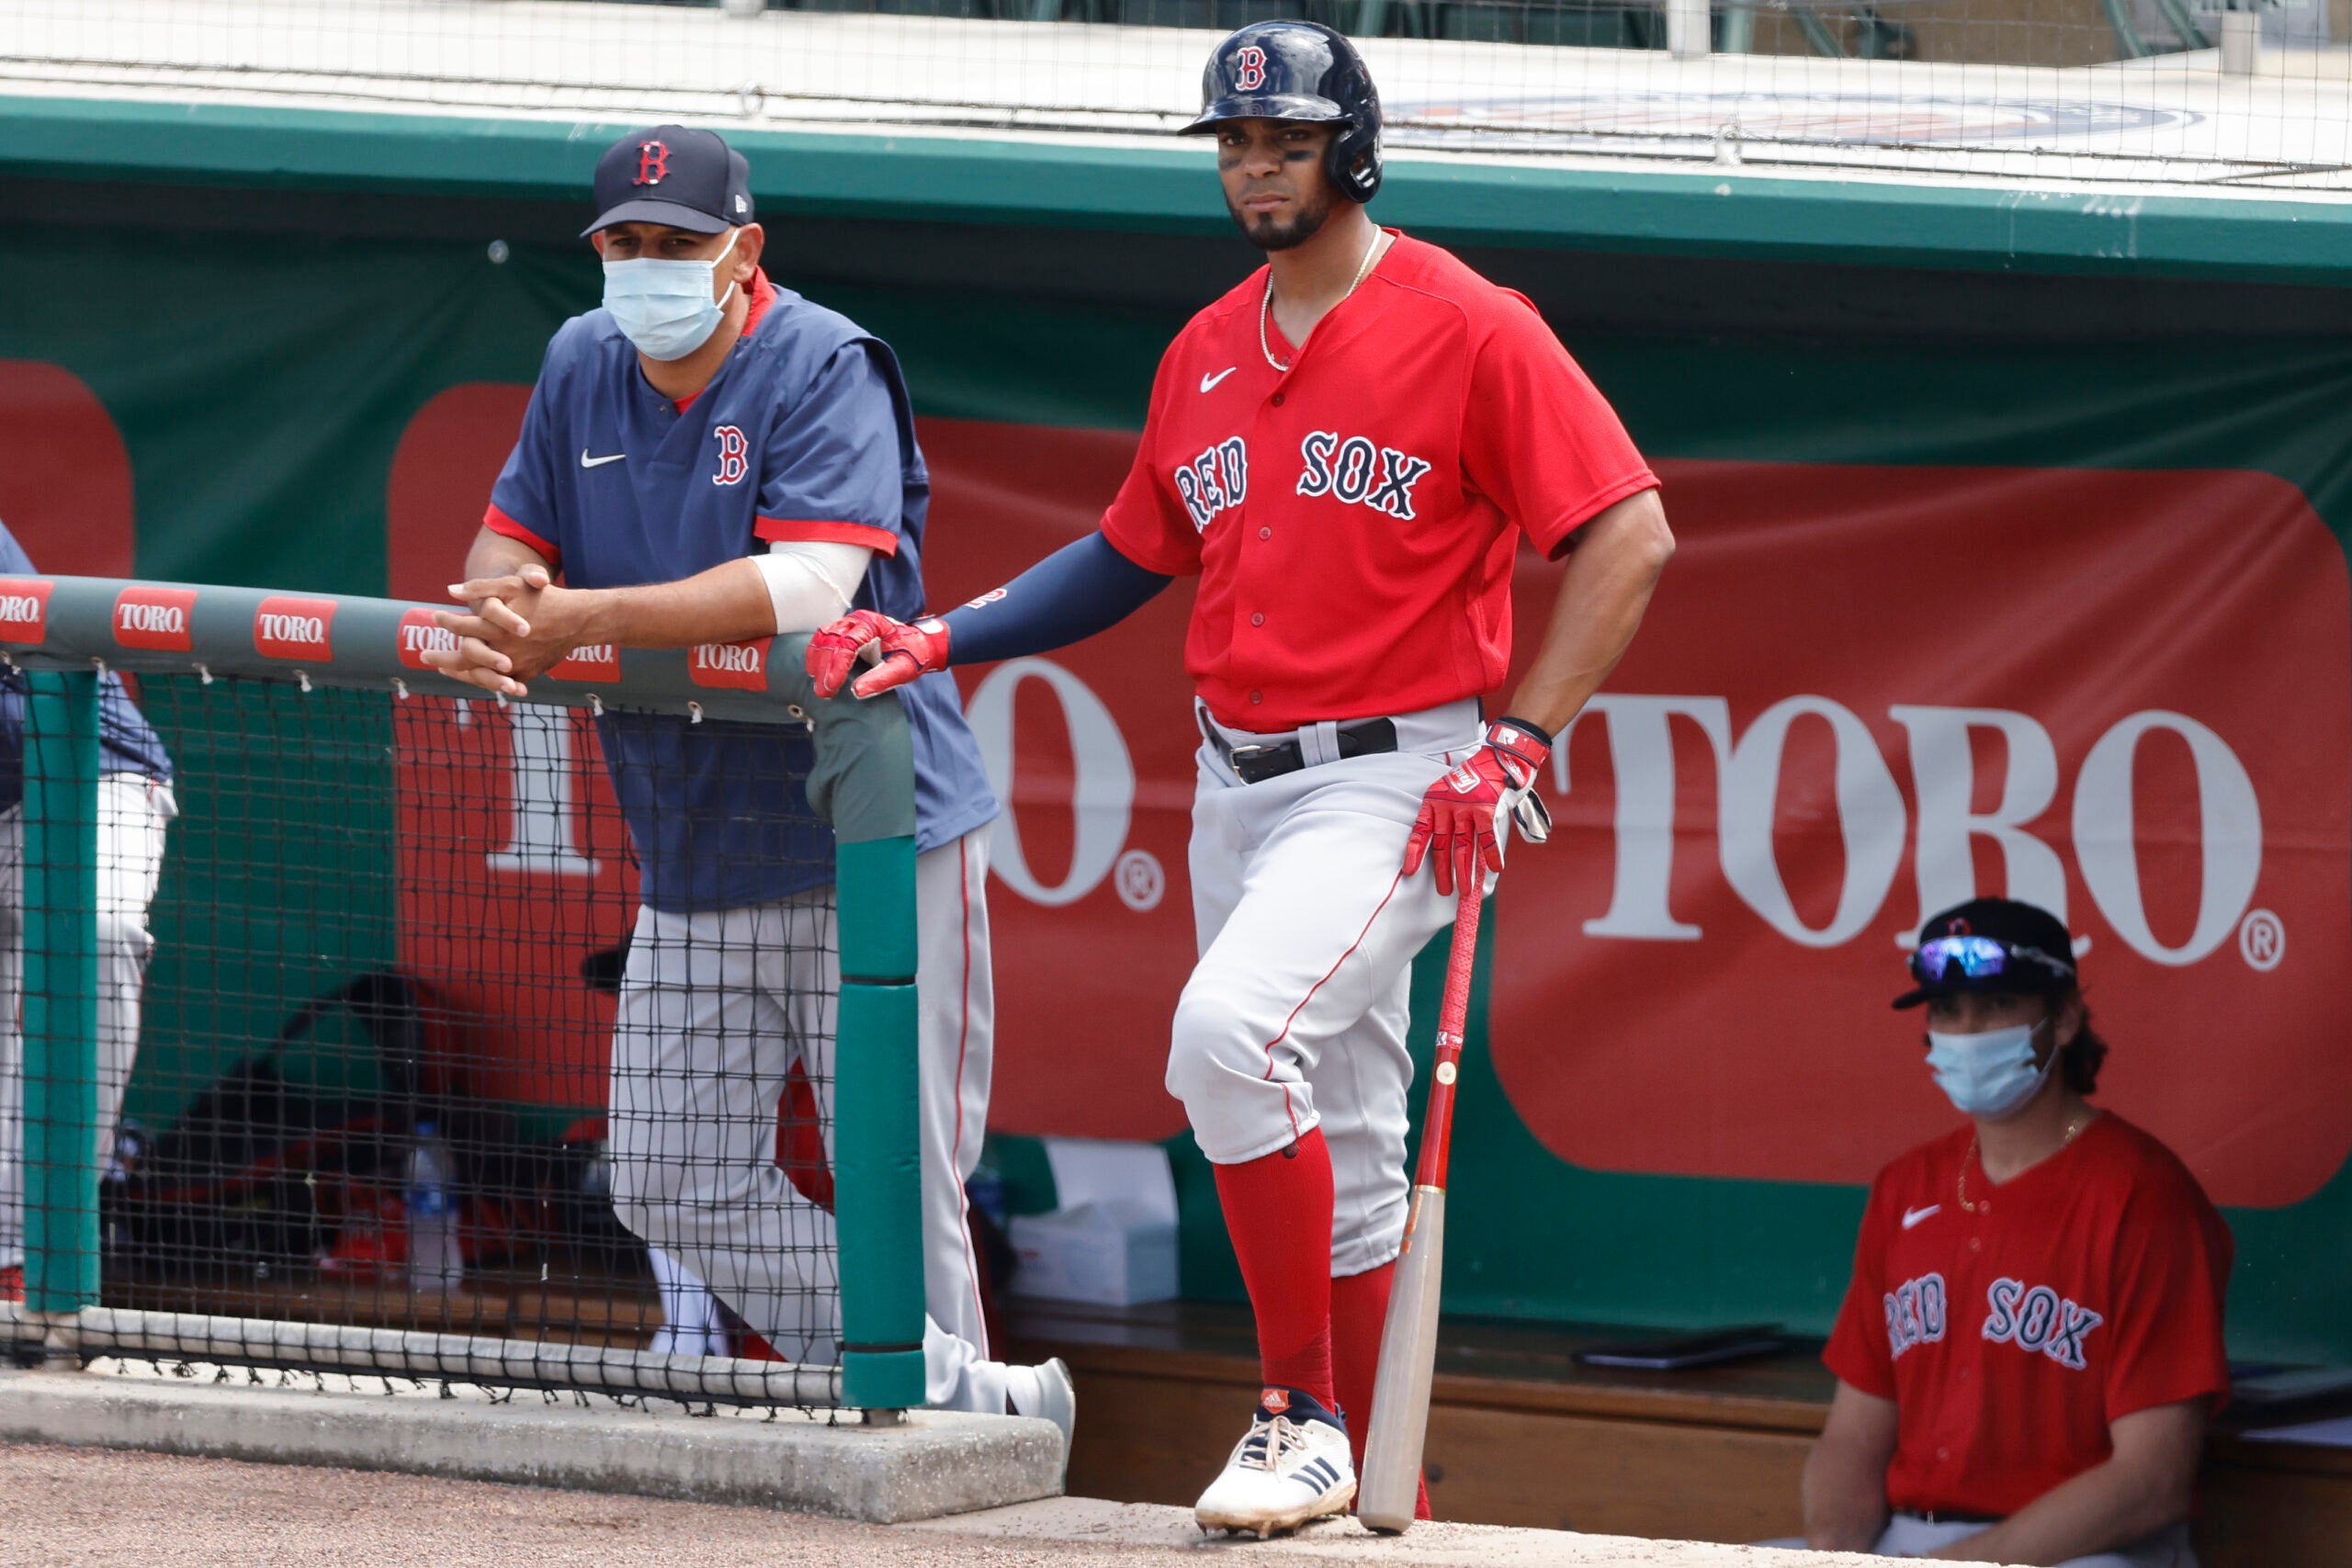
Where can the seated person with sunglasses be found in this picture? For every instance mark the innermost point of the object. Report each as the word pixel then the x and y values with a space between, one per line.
pixel 2031 1342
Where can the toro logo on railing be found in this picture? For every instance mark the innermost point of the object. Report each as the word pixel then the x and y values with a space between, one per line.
pixel 741 666
pixel 24 610
pixel 154 617
pixel 287 627
pixel 417 635
pixel 589 661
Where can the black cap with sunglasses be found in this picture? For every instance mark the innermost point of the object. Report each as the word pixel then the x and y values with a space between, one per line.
pixel 1991 945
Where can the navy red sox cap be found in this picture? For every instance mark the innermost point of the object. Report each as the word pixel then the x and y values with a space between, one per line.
pixel 674 175
pixel 1999 945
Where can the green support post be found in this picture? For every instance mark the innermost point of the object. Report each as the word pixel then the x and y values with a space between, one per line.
pixel 60 991
pixel 877 1135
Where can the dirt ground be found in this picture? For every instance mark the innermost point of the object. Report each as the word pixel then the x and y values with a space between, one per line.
pixel 71 1508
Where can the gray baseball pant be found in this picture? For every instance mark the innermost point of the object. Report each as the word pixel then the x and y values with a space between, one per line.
pixel 132 813
pixel 716 1009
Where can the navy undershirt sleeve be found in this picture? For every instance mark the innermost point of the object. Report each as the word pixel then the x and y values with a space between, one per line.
pixel 1081 589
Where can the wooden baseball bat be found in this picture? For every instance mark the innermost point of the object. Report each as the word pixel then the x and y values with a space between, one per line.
pixel 1400 1389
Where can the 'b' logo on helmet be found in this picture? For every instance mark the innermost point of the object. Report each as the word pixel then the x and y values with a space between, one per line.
pixel 1251 73
pixel 653 163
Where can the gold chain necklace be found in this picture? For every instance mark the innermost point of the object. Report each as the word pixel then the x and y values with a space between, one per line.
pixel 2074 1124
pixel 1266 305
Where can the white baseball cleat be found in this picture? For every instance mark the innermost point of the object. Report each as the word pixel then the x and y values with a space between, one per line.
pixel 1293 1467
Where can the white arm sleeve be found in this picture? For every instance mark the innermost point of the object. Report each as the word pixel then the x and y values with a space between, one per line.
pixel 811 581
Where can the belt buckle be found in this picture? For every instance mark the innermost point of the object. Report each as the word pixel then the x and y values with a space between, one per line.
pixel 1240 757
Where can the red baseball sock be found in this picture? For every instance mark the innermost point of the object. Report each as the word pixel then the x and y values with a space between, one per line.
pixel 1359 1313
pixel 1278 1210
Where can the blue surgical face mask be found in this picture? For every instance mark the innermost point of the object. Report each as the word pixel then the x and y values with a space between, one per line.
pixel 1991 1076
pixel 665 307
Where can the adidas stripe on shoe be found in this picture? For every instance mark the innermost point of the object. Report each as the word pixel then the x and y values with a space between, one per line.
pixel 1292 1466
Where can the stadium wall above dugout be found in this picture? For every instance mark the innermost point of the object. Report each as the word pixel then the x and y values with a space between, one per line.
pixel 1131 182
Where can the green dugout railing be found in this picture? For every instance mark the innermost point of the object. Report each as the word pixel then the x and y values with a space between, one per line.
pixel 62 631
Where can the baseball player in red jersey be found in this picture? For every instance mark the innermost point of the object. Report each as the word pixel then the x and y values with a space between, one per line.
pixel 1349 450
pixel 2032 1340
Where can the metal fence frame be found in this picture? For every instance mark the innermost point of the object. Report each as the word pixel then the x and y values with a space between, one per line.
pixel 64 631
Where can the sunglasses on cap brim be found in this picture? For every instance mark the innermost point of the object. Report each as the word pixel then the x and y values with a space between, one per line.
pixel 1984 958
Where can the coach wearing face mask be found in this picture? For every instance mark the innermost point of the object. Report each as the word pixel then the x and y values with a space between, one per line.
pixel 2031 1342
pixel 710 458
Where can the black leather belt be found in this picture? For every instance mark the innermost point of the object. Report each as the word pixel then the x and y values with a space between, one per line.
pixel 1949 1517
pixel 1255 764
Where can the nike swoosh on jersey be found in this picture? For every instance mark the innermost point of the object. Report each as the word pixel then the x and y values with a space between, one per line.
pixel 588 462
pixel 1209 381
pixel 1913 1216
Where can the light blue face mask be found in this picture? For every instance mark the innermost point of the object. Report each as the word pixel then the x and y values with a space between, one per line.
pixel 664 307
pixel 1991 1076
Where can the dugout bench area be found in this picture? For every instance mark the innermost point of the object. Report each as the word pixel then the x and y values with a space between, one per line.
pixel 1521 1433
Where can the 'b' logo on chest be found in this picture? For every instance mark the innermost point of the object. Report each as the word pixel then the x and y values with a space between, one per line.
pixel 1356 471
pixel 734 455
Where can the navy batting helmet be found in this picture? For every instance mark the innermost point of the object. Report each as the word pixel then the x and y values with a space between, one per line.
pixel 1299 71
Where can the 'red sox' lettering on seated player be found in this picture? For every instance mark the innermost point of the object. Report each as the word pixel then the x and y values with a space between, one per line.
pixel 2031 1342
pixel 1348 450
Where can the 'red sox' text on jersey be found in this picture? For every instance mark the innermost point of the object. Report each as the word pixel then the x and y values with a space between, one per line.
pixel 1353 519
pixel 2012 1323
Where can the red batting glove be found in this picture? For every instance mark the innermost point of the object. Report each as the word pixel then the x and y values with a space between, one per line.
pixel 1461 821
pixel 834 647
pixel 900 650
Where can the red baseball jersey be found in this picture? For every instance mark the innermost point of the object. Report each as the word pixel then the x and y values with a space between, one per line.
pixel 2082 1289
pixel 1353 519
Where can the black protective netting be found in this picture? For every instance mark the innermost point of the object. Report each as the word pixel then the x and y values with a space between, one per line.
pixel 408 1057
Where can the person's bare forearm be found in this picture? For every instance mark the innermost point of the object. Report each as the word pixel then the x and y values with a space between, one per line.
pixel 727 604
pixel 522 624
pixel 1845 1476
pixel 1845 1496
pixel 2144 1486
pixel 1603 593
pixel 495 555
pixel 2097 1511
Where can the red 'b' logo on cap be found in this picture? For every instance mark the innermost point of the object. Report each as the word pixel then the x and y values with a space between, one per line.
pixel 653 163
pixel 24 610
pixel 287 627
pixel 1251 73
pixel 738 666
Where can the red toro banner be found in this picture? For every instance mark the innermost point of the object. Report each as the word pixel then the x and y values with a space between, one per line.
pixel 1861 694
pixel 289 628
pixel 1864 694
pixel 501 806
pixel 590 661
pixel 1092 748
pixel 24 610
pixel 740 666
pixel 417 635
pixel 66 489
pixel 156 617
